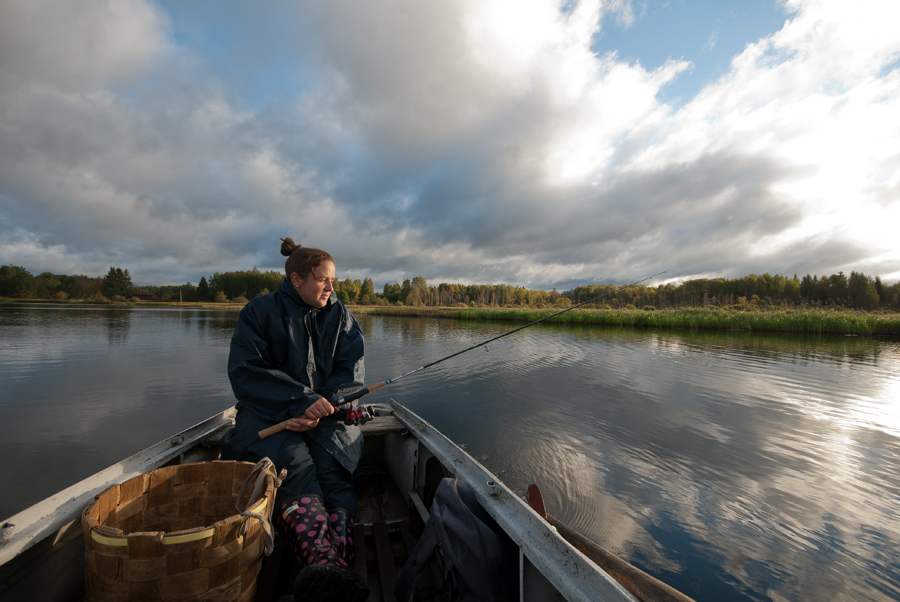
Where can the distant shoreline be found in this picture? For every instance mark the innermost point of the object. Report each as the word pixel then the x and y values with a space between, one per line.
pixel 148 304
pixel 802 321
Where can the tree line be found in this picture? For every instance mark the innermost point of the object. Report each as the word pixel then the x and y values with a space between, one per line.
pixel 857 291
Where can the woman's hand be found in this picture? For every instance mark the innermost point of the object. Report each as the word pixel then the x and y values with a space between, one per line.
pixel 310 418
pixel 320 409
pixel 301 424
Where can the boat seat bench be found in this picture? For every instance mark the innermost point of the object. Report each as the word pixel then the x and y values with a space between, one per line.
pixel 382 425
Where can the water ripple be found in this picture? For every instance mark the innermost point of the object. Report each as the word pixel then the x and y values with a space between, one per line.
pixel 734 466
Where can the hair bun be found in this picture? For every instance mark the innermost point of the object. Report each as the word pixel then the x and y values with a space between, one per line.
pixel 288 246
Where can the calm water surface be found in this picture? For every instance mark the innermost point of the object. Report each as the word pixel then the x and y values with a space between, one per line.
pixel 733 466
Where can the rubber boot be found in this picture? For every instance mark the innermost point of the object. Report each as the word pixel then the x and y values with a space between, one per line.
pixel 342 536
pixel 322 542
pixel 329 583
pixel 306 528
pixel 336 582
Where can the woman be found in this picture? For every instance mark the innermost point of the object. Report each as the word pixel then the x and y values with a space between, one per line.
pixel 293 352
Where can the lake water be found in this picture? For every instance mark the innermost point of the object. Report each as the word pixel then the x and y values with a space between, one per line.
pixel 733 466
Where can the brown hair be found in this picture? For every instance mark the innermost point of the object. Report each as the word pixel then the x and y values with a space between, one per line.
pixel 301 259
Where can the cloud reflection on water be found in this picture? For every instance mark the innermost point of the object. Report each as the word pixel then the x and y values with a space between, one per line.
pixel 734 466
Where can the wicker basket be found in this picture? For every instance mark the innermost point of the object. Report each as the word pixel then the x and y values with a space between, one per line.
pixel 174 534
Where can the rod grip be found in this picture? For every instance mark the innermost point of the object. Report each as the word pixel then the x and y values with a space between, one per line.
pixel 361 392
pixel 277 428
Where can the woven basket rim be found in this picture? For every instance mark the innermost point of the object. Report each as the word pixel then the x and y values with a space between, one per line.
pixel 116 537
pixel 173 538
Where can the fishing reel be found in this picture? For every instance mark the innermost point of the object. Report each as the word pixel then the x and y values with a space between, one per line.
pixel 360 415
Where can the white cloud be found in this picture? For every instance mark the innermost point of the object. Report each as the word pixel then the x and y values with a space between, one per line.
pixel 464 141
pixel 810 96
pixel 76 46
pixel 711 41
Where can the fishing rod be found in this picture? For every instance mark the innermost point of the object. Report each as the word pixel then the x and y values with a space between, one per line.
pixel 363 415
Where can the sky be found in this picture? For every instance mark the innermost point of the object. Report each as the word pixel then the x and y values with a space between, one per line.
pixel 534 143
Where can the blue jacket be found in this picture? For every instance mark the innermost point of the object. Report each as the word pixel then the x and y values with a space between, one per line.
pixel 284 356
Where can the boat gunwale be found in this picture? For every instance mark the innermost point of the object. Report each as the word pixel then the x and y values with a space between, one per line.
pixel 570 571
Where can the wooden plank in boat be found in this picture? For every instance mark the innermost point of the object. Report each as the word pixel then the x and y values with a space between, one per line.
pixel 370 509
pixel 382 425
pixel 359 542
pixel 408 540
pixel 386 569
pixel 379 498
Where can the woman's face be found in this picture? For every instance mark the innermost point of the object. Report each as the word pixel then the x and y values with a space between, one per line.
pixel 317 287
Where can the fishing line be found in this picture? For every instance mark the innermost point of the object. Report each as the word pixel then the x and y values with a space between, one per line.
pixel 365 414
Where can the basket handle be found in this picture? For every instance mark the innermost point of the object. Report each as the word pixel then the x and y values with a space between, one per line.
pixel 263 470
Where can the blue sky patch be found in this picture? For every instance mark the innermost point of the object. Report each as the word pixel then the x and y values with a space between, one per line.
pixel 707 33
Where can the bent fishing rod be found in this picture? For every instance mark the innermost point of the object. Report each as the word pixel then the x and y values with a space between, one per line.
pixel 361 415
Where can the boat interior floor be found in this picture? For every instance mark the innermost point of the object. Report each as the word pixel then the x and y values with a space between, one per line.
pixel 383 538
pixel 385 534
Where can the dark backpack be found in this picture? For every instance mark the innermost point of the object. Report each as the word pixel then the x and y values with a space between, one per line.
pixel 462 552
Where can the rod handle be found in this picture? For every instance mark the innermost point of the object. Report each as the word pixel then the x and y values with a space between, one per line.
pixel 366 391
pixel 277 428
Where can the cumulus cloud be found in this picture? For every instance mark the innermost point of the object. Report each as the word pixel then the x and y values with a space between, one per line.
pixel 461 141
pixel 72 47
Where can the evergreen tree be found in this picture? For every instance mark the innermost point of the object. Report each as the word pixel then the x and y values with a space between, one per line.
pixel 367 292
pixel 405 289
pixel 117 282
pixel 879 287
pixel 392 292
pixel 837 288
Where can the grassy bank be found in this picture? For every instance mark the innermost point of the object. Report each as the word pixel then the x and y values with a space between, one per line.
pixel 813 321
pixel 107 303
pixel 817 321
pixel 407 311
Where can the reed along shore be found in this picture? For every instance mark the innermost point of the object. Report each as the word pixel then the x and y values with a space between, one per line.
pixel 830 320
pixel 805 321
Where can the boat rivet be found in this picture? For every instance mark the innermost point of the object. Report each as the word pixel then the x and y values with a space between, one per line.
pixel 491 483
pixel 6 532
